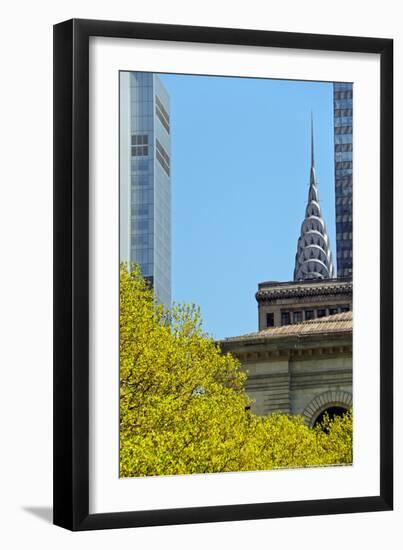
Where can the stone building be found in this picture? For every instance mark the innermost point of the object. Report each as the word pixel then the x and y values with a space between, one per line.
pixel 301 369
pixel 300 360
pixel 293 302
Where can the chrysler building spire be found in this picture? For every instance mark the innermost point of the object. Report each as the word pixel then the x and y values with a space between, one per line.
pixel 313 259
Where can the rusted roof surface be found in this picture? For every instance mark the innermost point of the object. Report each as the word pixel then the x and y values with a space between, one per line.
pixel 341 322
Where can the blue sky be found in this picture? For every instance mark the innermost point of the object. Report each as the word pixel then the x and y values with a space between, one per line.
pixel 240 171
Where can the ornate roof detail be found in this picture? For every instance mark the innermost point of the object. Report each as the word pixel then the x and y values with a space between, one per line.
pixel 299 291
pixel 313 259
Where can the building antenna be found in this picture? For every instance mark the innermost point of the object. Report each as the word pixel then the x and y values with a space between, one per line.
pixel 312 147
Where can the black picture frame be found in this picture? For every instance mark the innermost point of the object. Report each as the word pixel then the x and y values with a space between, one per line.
pixel 71 274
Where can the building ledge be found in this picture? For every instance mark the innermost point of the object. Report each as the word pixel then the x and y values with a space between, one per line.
pixel 298 289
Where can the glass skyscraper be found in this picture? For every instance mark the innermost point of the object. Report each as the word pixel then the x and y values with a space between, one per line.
pixel 145 182
pixel 343 157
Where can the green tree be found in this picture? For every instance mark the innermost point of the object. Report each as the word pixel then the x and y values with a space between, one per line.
pixel 336 438
pixel 183 405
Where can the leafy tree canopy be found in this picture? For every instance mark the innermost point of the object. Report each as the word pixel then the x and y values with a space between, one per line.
pixel 183 405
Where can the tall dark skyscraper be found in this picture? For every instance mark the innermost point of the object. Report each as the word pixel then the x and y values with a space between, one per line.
pixel 343 163
pixel 145 181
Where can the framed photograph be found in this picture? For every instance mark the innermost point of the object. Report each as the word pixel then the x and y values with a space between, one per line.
pixel 218 196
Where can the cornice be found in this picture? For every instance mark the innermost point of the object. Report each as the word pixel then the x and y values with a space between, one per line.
pixel 324 352
pixel 301 292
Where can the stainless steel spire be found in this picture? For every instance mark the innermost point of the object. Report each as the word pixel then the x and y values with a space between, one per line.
pixel 313 259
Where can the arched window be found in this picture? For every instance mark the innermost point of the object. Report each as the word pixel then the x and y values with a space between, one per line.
pixel 331 412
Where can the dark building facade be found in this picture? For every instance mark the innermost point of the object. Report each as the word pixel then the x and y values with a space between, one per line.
pixel 343 164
